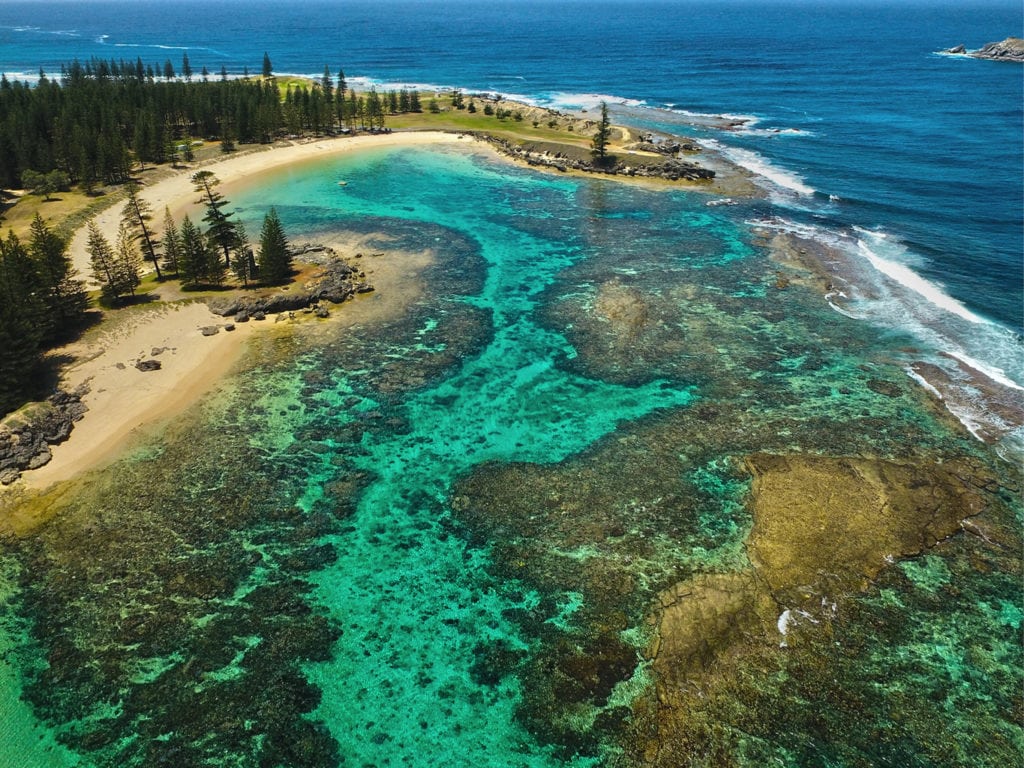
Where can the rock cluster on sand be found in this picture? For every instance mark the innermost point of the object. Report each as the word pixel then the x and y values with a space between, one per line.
pixel 1010 49
pixel 26 435
pixel 335 281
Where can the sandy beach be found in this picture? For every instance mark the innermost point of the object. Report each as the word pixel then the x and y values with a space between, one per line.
pixel 124 401
pixel 177 193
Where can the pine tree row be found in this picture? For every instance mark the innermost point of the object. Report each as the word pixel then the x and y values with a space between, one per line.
pixel 92 125
pixel 200 259
pixel 41 304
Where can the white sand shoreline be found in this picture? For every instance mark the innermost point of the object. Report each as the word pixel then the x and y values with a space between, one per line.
pixel 177 194
pixel 124 402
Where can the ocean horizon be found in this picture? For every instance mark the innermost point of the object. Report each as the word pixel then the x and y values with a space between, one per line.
pixel 462 533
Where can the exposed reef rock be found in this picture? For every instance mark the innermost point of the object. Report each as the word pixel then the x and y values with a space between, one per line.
pixel 624 308
pixel 704 615
pixel 821 529
pixel 842 520
pixel 26 435
pixel 669 148
pixel 1010 49
pixel 822 526
pixel 957 389
pixel 336 281
pixel 565 159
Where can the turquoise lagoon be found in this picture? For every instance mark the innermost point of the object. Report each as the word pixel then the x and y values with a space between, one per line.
pixel 439 538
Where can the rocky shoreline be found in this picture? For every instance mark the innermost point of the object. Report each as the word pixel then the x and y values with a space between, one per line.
pixel 667 164
pixel 27 434
pixel 1010 49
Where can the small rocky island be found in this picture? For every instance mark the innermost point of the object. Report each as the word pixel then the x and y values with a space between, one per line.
pixel 1010 49
pixel 335 281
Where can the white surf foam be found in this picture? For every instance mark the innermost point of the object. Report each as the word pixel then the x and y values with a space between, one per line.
pixel 713 118
pixel 22 77
pixel 893 296
pixel 362 83
pixel 771 133
pixel 997 375
pixel 923 382
pixel 760 166
pixel 588 101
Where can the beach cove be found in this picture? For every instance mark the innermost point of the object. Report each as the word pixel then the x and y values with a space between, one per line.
pixel 196 361
pixel 120 400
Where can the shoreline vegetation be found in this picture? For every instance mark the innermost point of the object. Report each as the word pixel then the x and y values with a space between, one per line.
pixel 143 364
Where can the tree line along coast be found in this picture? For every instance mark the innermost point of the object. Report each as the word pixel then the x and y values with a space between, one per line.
pixel 103 119
pixel 94 131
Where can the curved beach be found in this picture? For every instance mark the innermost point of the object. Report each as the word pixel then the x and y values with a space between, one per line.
pixel 234 171
pixel 124 402
pixel 620 453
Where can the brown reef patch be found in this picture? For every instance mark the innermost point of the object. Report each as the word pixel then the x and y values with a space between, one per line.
pixel 823 527
pixel 845 518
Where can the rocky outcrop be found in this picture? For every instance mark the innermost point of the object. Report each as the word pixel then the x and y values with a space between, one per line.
pixel 668 148
pixel 670 168
pixel 1010 49
pixel 335 281
pixel 624 308
pixel 26 435
pixel 850 517
pixel 822 528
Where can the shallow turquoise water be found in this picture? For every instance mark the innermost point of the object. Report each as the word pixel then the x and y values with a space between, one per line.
pixel 436 538
pixel 415 602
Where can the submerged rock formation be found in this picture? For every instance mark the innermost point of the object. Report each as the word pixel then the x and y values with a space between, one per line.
pixel 335 281
pixel 823 528
pixel 1010 49
pixel 26 435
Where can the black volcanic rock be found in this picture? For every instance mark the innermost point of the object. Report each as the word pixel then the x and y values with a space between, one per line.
pixel 26 436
